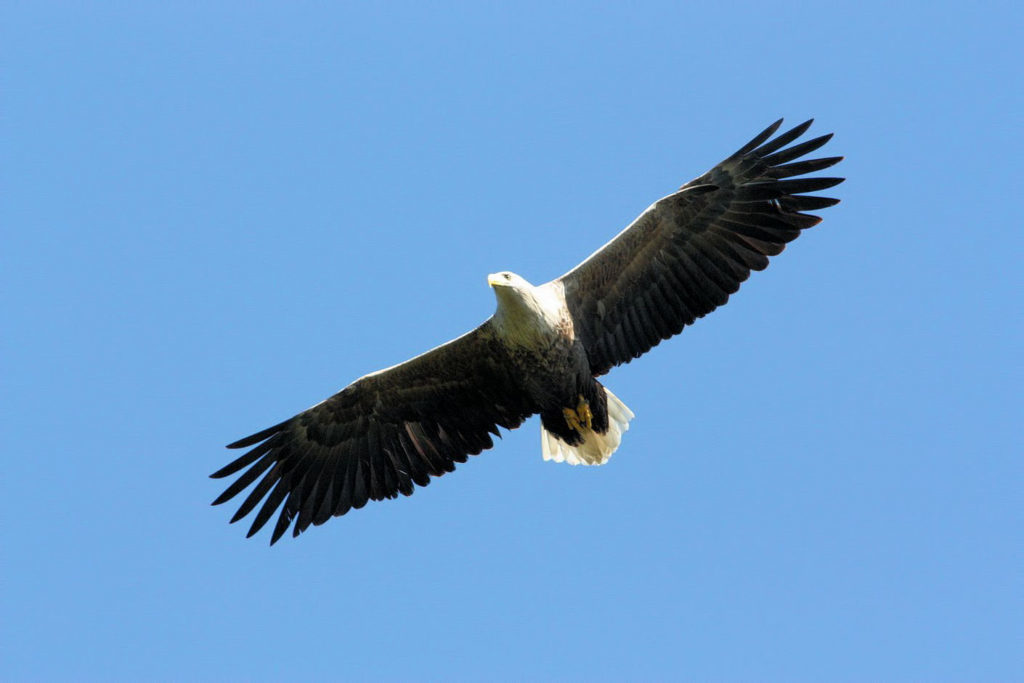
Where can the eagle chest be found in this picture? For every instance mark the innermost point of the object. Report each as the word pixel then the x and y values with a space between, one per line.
pixel 550 365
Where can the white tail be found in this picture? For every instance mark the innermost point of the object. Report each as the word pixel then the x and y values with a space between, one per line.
pixel 596 448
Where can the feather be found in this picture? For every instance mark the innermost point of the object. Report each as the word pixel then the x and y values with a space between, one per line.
pixel 393 430
pixel 698 246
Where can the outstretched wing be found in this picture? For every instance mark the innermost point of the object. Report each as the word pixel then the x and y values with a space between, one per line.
pixel 380 435
pixel 688 252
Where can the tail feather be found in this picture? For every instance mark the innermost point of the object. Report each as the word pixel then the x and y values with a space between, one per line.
pixel 596 448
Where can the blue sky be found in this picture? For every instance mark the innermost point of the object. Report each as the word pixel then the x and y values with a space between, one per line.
pixel 215 216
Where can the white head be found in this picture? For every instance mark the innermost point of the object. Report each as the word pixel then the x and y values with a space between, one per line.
pixel 512 291
pixel 515 296
pixel 507 280
pixel 525 310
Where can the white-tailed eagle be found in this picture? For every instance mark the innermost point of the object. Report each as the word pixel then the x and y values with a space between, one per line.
pixel 541 351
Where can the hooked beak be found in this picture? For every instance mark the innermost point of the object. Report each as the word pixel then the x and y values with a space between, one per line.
pixel 494 280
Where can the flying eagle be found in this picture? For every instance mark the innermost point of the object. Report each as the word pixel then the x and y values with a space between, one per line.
pixel 542 350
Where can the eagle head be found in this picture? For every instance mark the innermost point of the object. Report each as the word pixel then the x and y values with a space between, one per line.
pixel 507 279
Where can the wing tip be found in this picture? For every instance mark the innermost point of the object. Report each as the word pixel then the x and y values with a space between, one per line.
pixel 224 471
pixel 238 516
pixel 279 531
pixel 221 499
pixel 758 139
pixel 245 442
pixel 254 439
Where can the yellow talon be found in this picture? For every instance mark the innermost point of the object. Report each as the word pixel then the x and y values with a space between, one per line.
pixel 572 419
pixel 583 410
pixel 580 419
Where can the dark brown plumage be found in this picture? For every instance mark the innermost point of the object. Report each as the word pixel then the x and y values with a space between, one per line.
pixel 381 435
pixel 394 429
pixel 683 256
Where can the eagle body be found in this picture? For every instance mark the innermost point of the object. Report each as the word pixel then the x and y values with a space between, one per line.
pixel 535 327
pixel 542 351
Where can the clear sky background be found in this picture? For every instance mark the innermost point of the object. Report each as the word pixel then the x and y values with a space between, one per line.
pixel 214 216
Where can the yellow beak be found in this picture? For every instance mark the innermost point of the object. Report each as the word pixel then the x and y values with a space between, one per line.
pixel 494 280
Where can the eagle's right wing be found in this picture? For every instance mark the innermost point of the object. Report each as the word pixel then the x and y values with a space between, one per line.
pixel 380 435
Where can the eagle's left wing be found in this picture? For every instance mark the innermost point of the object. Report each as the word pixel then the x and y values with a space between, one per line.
pixel 688 252
pixel 380 435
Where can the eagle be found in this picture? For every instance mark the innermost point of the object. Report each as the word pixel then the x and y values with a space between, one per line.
pixel 543 349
